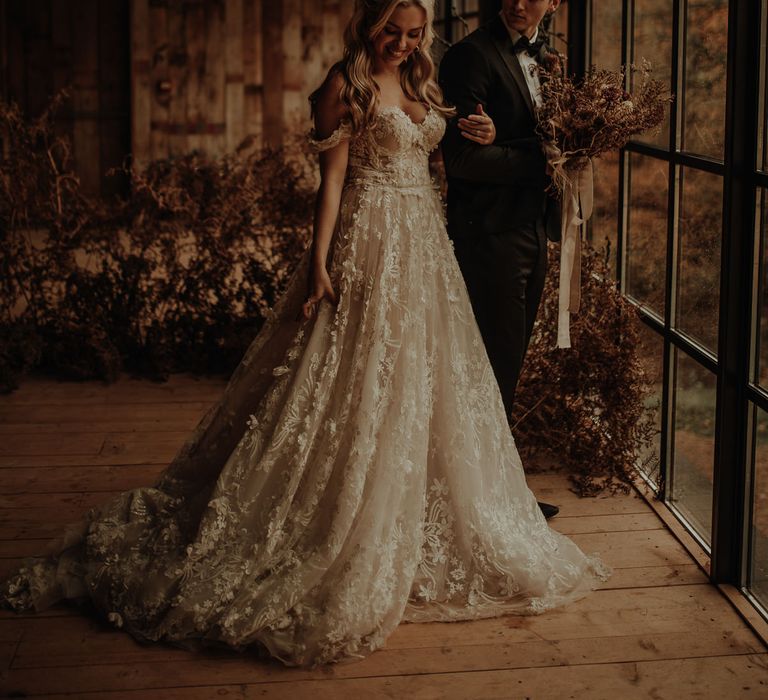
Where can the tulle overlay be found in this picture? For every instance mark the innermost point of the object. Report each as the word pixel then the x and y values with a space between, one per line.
pixel 358 471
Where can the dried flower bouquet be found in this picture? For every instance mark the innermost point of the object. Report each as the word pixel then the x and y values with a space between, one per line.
pixel 580 119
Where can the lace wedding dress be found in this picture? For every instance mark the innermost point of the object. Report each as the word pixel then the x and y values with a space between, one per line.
pixel 358 472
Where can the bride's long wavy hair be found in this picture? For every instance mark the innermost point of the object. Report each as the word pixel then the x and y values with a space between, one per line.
pixel 417 74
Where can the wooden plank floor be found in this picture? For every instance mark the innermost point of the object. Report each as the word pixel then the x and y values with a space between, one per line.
pixel 656 629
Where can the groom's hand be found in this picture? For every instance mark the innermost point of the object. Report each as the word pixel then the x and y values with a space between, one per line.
pixel 478 127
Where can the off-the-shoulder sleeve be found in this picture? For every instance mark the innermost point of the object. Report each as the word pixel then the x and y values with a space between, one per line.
pixel 343 132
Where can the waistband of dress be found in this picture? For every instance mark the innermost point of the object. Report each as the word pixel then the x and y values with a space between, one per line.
pixel 361 176
pixel 384 184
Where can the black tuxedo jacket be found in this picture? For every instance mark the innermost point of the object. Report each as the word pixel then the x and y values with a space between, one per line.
pixel 492 189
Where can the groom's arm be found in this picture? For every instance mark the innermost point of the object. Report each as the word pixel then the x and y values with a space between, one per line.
pixel 465 78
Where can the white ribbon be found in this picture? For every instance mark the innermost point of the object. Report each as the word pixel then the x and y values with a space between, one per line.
pixel 577 204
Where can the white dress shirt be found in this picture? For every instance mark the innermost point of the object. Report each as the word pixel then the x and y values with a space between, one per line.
pixel 526 61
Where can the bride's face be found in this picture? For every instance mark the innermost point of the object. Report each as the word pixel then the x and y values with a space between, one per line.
pixel 400 36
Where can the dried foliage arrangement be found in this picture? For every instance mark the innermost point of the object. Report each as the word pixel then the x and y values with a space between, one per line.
pixel 176 276
pixel 582 118
pixel 583 410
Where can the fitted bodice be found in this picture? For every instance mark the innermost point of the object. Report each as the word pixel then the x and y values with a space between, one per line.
pixel 394 150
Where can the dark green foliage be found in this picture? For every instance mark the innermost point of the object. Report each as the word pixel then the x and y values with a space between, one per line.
pixel 177 276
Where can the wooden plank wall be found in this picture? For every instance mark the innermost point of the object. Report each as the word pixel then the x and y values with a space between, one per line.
pixel 207 74
pixel 49 45
pixel 161 78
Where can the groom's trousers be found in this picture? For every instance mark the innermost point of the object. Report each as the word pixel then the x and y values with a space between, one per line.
pixel 504 274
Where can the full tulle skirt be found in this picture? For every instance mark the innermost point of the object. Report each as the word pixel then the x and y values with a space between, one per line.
pixel 358 471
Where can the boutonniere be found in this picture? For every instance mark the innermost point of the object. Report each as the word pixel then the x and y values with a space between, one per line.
pixel 550 62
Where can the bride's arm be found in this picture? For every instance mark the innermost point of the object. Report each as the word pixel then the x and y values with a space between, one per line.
pixel 333 167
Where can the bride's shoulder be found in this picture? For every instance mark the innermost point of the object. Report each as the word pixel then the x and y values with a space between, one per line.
pixel 328 110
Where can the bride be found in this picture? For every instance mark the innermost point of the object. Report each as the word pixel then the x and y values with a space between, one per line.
pixel 359 470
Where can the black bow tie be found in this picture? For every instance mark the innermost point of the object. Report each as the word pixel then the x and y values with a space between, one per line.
pixel 532 47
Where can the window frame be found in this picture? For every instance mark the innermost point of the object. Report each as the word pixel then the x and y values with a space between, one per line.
pixel 740 289
pixel 443 22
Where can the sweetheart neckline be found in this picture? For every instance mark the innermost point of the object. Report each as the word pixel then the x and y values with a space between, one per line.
pixel 398 108
pixel 345 125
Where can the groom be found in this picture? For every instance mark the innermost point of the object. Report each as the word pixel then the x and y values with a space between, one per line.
pixel 499 216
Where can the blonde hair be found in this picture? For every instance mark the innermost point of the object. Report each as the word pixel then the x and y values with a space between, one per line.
pixel 359 92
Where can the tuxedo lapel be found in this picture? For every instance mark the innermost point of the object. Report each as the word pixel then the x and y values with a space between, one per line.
pixel 503 45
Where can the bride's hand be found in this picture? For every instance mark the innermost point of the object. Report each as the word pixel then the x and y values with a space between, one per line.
pixel 320 288
pixel 478 127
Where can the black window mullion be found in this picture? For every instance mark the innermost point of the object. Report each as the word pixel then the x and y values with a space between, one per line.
pixel 668 396
pixel 623 221
pixel 710 165
pixel 647 149
pixel 729 497
pixel 758 396
pixel 742 256
pixel 689 160
pixel 692 349
pixel 758 289
pixel 678 74
pixel 623 170
pixel 747 542
pixel 579 29
pixel 688 345
pixel 442 22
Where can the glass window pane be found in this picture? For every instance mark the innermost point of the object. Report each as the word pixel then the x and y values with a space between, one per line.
pixel 459 29
pixel 698 286
pixel 646 240
pixel 761 339
pixel 603 226
pixel 558 29
pixel 441 29
pixel 651 354
pixel 763 128
pixel 652 40
pixel 694 443
pixel 706 53
pixel 758 566
pixel 606 34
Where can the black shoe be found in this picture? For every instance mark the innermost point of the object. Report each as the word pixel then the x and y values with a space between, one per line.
pixel 549 510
